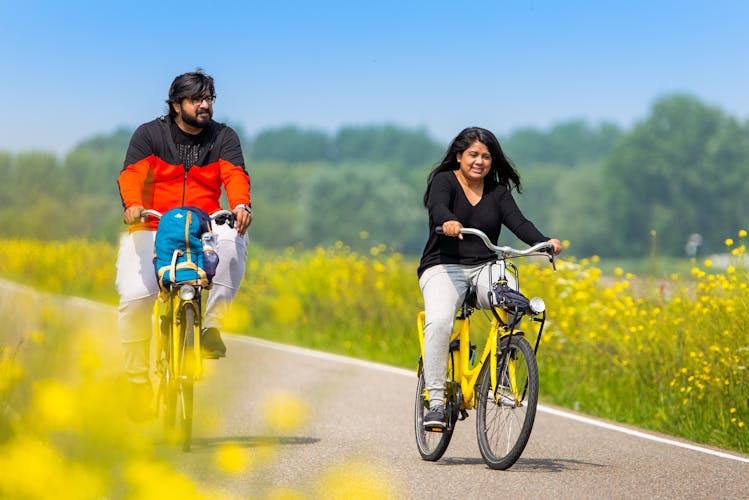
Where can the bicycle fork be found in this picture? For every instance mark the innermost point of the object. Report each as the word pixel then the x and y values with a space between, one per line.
pixel 174 342
pixel 503 369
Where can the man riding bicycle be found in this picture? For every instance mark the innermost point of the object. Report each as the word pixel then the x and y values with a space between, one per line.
pixel 180 159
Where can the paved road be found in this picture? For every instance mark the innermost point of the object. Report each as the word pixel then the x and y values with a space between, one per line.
pixel 360 414
pixel 348 424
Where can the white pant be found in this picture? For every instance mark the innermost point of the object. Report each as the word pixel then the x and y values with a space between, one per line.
pixel 444 287
pixel 138 288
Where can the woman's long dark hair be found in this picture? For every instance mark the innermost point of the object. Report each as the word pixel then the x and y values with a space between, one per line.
pixel 502 169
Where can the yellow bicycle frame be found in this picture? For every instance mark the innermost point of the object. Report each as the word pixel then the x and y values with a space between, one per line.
pixel 177 304
pixel 465 374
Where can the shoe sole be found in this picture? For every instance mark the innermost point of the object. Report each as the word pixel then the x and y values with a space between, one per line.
pixel 212 355
pixel 434 426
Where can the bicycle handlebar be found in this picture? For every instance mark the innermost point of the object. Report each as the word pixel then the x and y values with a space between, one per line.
pixel 544 248
pixel 220 216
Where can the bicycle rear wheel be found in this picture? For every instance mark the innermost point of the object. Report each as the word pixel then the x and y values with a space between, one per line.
pixel 432 445
pixel 505 419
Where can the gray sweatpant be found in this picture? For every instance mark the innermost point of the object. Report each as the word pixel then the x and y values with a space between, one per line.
pixel 444 287
pixel 138 288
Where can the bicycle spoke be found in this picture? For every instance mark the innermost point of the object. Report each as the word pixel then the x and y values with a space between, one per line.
pixel 505 416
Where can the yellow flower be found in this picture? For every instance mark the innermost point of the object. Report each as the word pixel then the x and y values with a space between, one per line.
pixel 285 494
pixel 742 233
pixel 285 411
pixel 232 458
pixel 56 404
pixel 150 479
pixel 356 479
pixel 708 263
pixel 34 469
pixel 287 308
pixel 729 242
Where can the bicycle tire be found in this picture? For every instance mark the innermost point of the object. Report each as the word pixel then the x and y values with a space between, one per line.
pixel 167 394
pixel 168 397
pixel 431 445
pixel 186 378
pixel 504 423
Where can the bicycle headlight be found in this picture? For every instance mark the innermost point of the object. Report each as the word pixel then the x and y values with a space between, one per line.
pixel 537 305
pixel 187 292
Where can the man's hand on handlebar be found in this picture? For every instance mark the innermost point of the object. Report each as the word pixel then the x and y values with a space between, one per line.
pixel 133 214
pixel 244 219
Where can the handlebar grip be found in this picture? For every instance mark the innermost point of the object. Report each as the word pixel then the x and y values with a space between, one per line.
pixel 225 219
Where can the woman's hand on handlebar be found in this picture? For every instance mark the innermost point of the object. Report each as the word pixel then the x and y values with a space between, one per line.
pixel 133 214
pixel 557 246
pixel 452 228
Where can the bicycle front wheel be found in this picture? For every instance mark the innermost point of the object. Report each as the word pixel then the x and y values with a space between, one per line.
pixel 432 445
pixel 186 378
pixel 505 417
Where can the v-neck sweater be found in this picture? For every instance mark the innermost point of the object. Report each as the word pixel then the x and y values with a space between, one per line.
pixel 497 207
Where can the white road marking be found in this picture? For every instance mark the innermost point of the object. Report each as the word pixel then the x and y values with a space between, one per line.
pixel 542 408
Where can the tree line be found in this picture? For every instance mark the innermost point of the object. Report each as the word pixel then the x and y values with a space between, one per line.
pixel 609 191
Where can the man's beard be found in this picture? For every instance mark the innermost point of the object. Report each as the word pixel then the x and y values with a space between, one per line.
pixel 199 120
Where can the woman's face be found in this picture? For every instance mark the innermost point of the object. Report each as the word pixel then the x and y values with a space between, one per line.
pixel 475 161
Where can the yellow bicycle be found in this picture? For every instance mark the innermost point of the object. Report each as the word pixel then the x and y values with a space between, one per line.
pixel 177 323
pixel 502 382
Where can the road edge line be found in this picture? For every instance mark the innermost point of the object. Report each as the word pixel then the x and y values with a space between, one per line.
pixel 542 408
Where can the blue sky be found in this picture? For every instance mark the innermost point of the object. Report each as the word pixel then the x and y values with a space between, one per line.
pixel 79 68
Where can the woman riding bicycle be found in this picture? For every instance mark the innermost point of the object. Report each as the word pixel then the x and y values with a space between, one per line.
pixel 470 187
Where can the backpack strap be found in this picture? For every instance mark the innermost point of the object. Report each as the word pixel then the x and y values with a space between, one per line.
pixel 172 268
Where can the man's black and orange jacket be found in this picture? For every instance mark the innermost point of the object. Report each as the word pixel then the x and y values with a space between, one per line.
pixel 153 178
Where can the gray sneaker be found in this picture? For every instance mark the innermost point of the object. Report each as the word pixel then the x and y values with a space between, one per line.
pixel 434 420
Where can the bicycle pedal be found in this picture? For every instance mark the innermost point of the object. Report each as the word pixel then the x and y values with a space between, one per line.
pixel 435 428
pixel 463 414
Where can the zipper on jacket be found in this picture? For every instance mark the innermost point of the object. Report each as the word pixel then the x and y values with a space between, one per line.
pixel 184 187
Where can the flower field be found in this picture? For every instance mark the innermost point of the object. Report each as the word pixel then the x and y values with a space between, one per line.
pixel 64 433
pixel 666 353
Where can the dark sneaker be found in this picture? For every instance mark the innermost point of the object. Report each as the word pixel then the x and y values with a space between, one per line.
pixel 211 344
pixel 140 402
pixel 434 420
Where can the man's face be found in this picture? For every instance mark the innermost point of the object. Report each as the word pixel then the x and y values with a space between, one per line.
pixel 196 111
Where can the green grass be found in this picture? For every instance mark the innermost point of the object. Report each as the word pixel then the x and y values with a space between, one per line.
pixel 672 339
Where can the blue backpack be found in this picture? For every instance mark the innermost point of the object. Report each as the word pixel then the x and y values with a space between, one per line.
pixel 178 251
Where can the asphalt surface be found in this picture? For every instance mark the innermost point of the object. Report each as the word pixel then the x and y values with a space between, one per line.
pixel 274 420
pixel 360 414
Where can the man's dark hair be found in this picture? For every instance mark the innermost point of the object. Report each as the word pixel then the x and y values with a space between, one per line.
pixel 194 84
